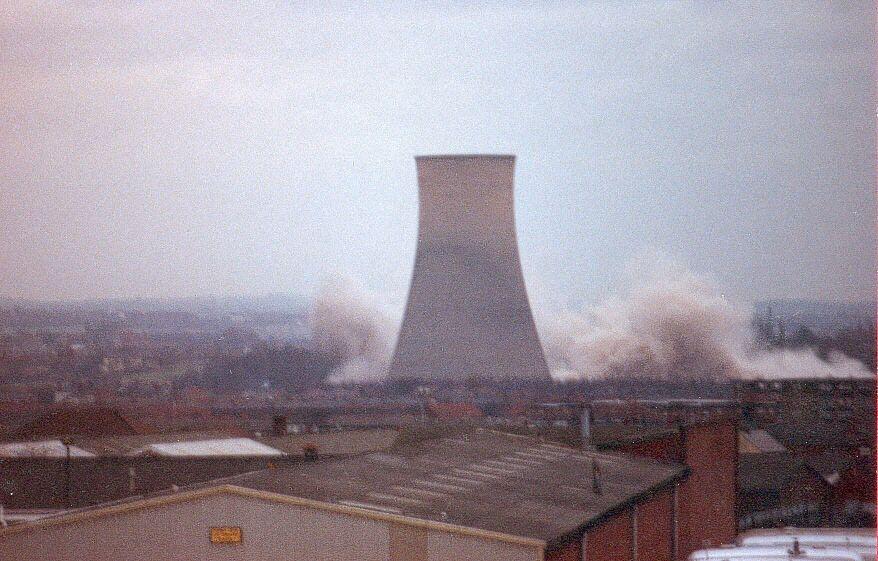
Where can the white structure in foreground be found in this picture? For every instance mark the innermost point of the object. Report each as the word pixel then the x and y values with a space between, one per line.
pixel 793 544
pixel 825 537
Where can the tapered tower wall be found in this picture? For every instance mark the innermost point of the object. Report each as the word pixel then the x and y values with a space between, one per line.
pixel 468 314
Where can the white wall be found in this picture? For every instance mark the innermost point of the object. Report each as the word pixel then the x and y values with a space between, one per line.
pixel 271 531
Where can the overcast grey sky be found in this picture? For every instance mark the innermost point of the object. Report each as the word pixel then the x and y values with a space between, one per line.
pixel 149 151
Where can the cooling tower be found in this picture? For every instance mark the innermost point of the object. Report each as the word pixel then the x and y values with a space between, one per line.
pixel 467 314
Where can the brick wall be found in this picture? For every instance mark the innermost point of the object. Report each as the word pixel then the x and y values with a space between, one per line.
pixel 570 552
pixel 611 540
pixel 642 533
pixel 655 528
pixel 707 497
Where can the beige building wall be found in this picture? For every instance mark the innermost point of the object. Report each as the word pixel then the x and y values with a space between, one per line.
pixel 270 531
pixel 447 547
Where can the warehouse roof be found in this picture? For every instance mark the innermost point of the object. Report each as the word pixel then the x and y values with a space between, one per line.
pixel 182 443
pixel 128 445
pixel 612 435
pixel 486 480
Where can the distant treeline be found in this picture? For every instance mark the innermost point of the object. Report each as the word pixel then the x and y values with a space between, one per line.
pixel 856 342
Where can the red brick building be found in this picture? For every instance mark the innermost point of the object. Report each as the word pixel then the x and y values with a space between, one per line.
pixel 705 500
pixel 643 531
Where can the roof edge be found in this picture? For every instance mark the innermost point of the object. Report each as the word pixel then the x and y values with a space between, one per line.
pixel 227 488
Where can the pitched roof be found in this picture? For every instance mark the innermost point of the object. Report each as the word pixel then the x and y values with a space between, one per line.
pixel 613 435
pixel 488 480
pixel 130 444
pixel 485 480
pixel 83 421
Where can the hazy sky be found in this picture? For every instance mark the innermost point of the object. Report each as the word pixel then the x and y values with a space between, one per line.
pixel 150 151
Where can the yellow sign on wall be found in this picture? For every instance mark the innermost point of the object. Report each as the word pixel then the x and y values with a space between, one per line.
pixel 226 534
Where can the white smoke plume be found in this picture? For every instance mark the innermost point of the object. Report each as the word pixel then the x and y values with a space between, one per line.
pixel 667 323
pixel 352 322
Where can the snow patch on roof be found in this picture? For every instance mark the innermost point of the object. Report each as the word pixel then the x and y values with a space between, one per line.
pixel 41 449
pixel 214 447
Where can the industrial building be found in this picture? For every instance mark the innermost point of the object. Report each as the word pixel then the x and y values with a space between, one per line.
pixel 707 497
pixel 36 476
pixel 483 495
pixel 467 314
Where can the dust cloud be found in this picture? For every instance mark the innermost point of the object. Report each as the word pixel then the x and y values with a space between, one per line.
pixel 668 323
pixel 665 322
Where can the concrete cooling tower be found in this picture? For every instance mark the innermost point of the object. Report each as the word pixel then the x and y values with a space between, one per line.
pixel 467 314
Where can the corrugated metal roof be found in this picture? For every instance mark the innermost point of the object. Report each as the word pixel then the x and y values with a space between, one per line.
pixel 479 480
pixel 545 491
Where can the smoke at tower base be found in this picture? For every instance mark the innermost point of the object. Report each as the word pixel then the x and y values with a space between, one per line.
pixel 665 323
pixel 668 323
pixel 350 322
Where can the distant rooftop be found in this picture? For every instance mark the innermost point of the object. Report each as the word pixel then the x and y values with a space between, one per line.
pixel 759 440
pixel 41 449
pixel 214 447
